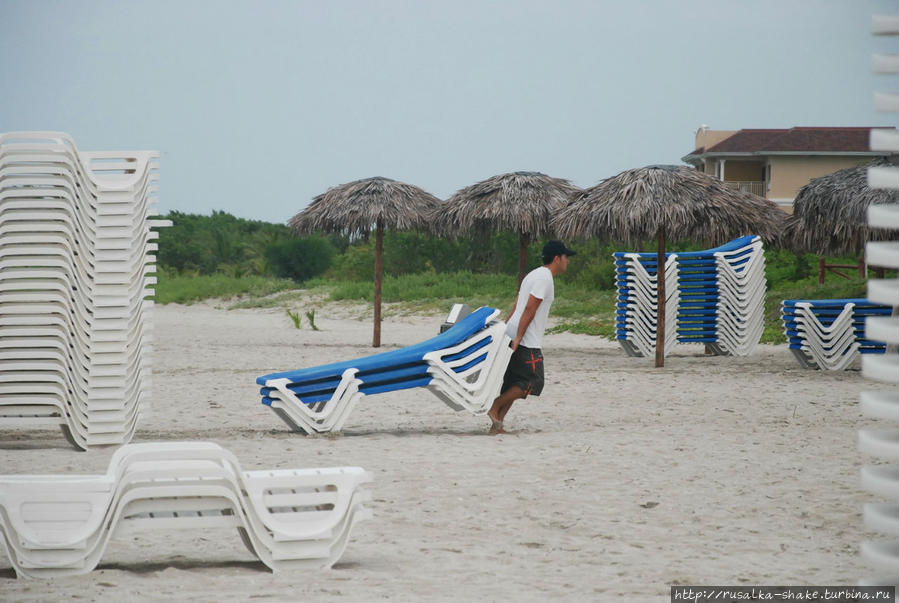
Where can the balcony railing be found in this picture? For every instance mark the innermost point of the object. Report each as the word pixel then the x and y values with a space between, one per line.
pixel 748 186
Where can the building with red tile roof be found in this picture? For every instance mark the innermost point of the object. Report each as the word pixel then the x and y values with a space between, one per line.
pixel 776 163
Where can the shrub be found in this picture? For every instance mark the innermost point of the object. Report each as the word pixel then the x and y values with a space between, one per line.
pixel 203 244
pixel 356 263
pixel 300 258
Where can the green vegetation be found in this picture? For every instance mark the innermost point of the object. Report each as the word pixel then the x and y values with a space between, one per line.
pixel 191 287
pixel 223 244
pixel 217 243
pixel 300 258
pixel 296 318
pixel 221 256
pixel 310 316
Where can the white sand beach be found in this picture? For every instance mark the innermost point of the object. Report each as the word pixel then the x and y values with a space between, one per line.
pixel 619 481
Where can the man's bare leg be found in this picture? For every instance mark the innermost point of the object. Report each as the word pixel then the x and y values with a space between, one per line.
pixel 501 406
pixel 505 408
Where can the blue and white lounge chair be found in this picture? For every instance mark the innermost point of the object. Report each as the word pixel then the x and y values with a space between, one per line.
pixel 463 366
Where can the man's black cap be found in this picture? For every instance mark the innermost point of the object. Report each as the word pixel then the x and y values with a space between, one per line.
pixel 554 248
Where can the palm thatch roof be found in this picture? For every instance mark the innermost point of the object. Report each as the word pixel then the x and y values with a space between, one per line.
pixel 521 202
pixel 683 203
pixel 357 207
pixel 662 202
pixel 360 206
pixel 830 213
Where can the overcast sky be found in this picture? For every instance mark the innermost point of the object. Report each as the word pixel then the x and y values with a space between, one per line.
pixel 258 106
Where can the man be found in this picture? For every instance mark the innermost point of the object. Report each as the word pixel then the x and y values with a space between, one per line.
pixel 525 326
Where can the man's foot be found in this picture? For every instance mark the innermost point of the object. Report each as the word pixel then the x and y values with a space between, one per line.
pixel 497 426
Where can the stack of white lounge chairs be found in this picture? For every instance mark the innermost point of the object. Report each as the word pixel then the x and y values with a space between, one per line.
pixel 463 366
pixel 829 334
pixel 723 296
pixel 637 305
pixel 881 477
pixel 75 267
pixel 715 297
pixel 57 525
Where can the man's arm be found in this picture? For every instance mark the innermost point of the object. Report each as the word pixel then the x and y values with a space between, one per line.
pixel 526 317
pixel 512 311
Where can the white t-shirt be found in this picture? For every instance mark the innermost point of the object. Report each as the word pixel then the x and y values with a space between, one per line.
pixel 539 283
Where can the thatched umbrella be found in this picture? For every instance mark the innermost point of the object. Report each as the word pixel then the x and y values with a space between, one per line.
pixel 523 202
pixel 356 207
pixel 667 201
pixel 830 213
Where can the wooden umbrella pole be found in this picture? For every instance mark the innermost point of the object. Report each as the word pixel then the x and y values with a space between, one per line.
pixel 522 256
pixel 379 250
pixel 660 300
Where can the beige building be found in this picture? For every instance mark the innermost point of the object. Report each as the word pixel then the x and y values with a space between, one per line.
pixel 776 163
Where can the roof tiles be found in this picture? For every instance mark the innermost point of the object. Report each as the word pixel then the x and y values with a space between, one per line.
pixel 795 140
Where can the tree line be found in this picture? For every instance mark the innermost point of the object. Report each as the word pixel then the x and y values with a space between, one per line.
pixel 222 243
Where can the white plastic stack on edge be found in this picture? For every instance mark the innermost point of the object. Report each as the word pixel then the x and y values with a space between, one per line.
pixel 723 296
pixel 715 297
pixel 637 307
pixel 883 442
pixel 830 334
pixel 291 519
pixel 741 316
pixel 75 266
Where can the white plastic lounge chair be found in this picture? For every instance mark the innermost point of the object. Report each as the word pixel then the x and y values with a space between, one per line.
pixel 290 518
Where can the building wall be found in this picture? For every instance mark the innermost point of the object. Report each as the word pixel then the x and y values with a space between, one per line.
pixel 789 174
pixel 706 138
pixel 744 171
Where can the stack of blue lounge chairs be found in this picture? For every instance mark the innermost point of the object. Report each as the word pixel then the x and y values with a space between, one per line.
pixel 715 297
pixel 829 334
pixel 463 366
pixel 722 296
pixel 636 308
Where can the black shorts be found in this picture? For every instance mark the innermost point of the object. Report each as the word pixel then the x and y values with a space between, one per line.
pixel 525 370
